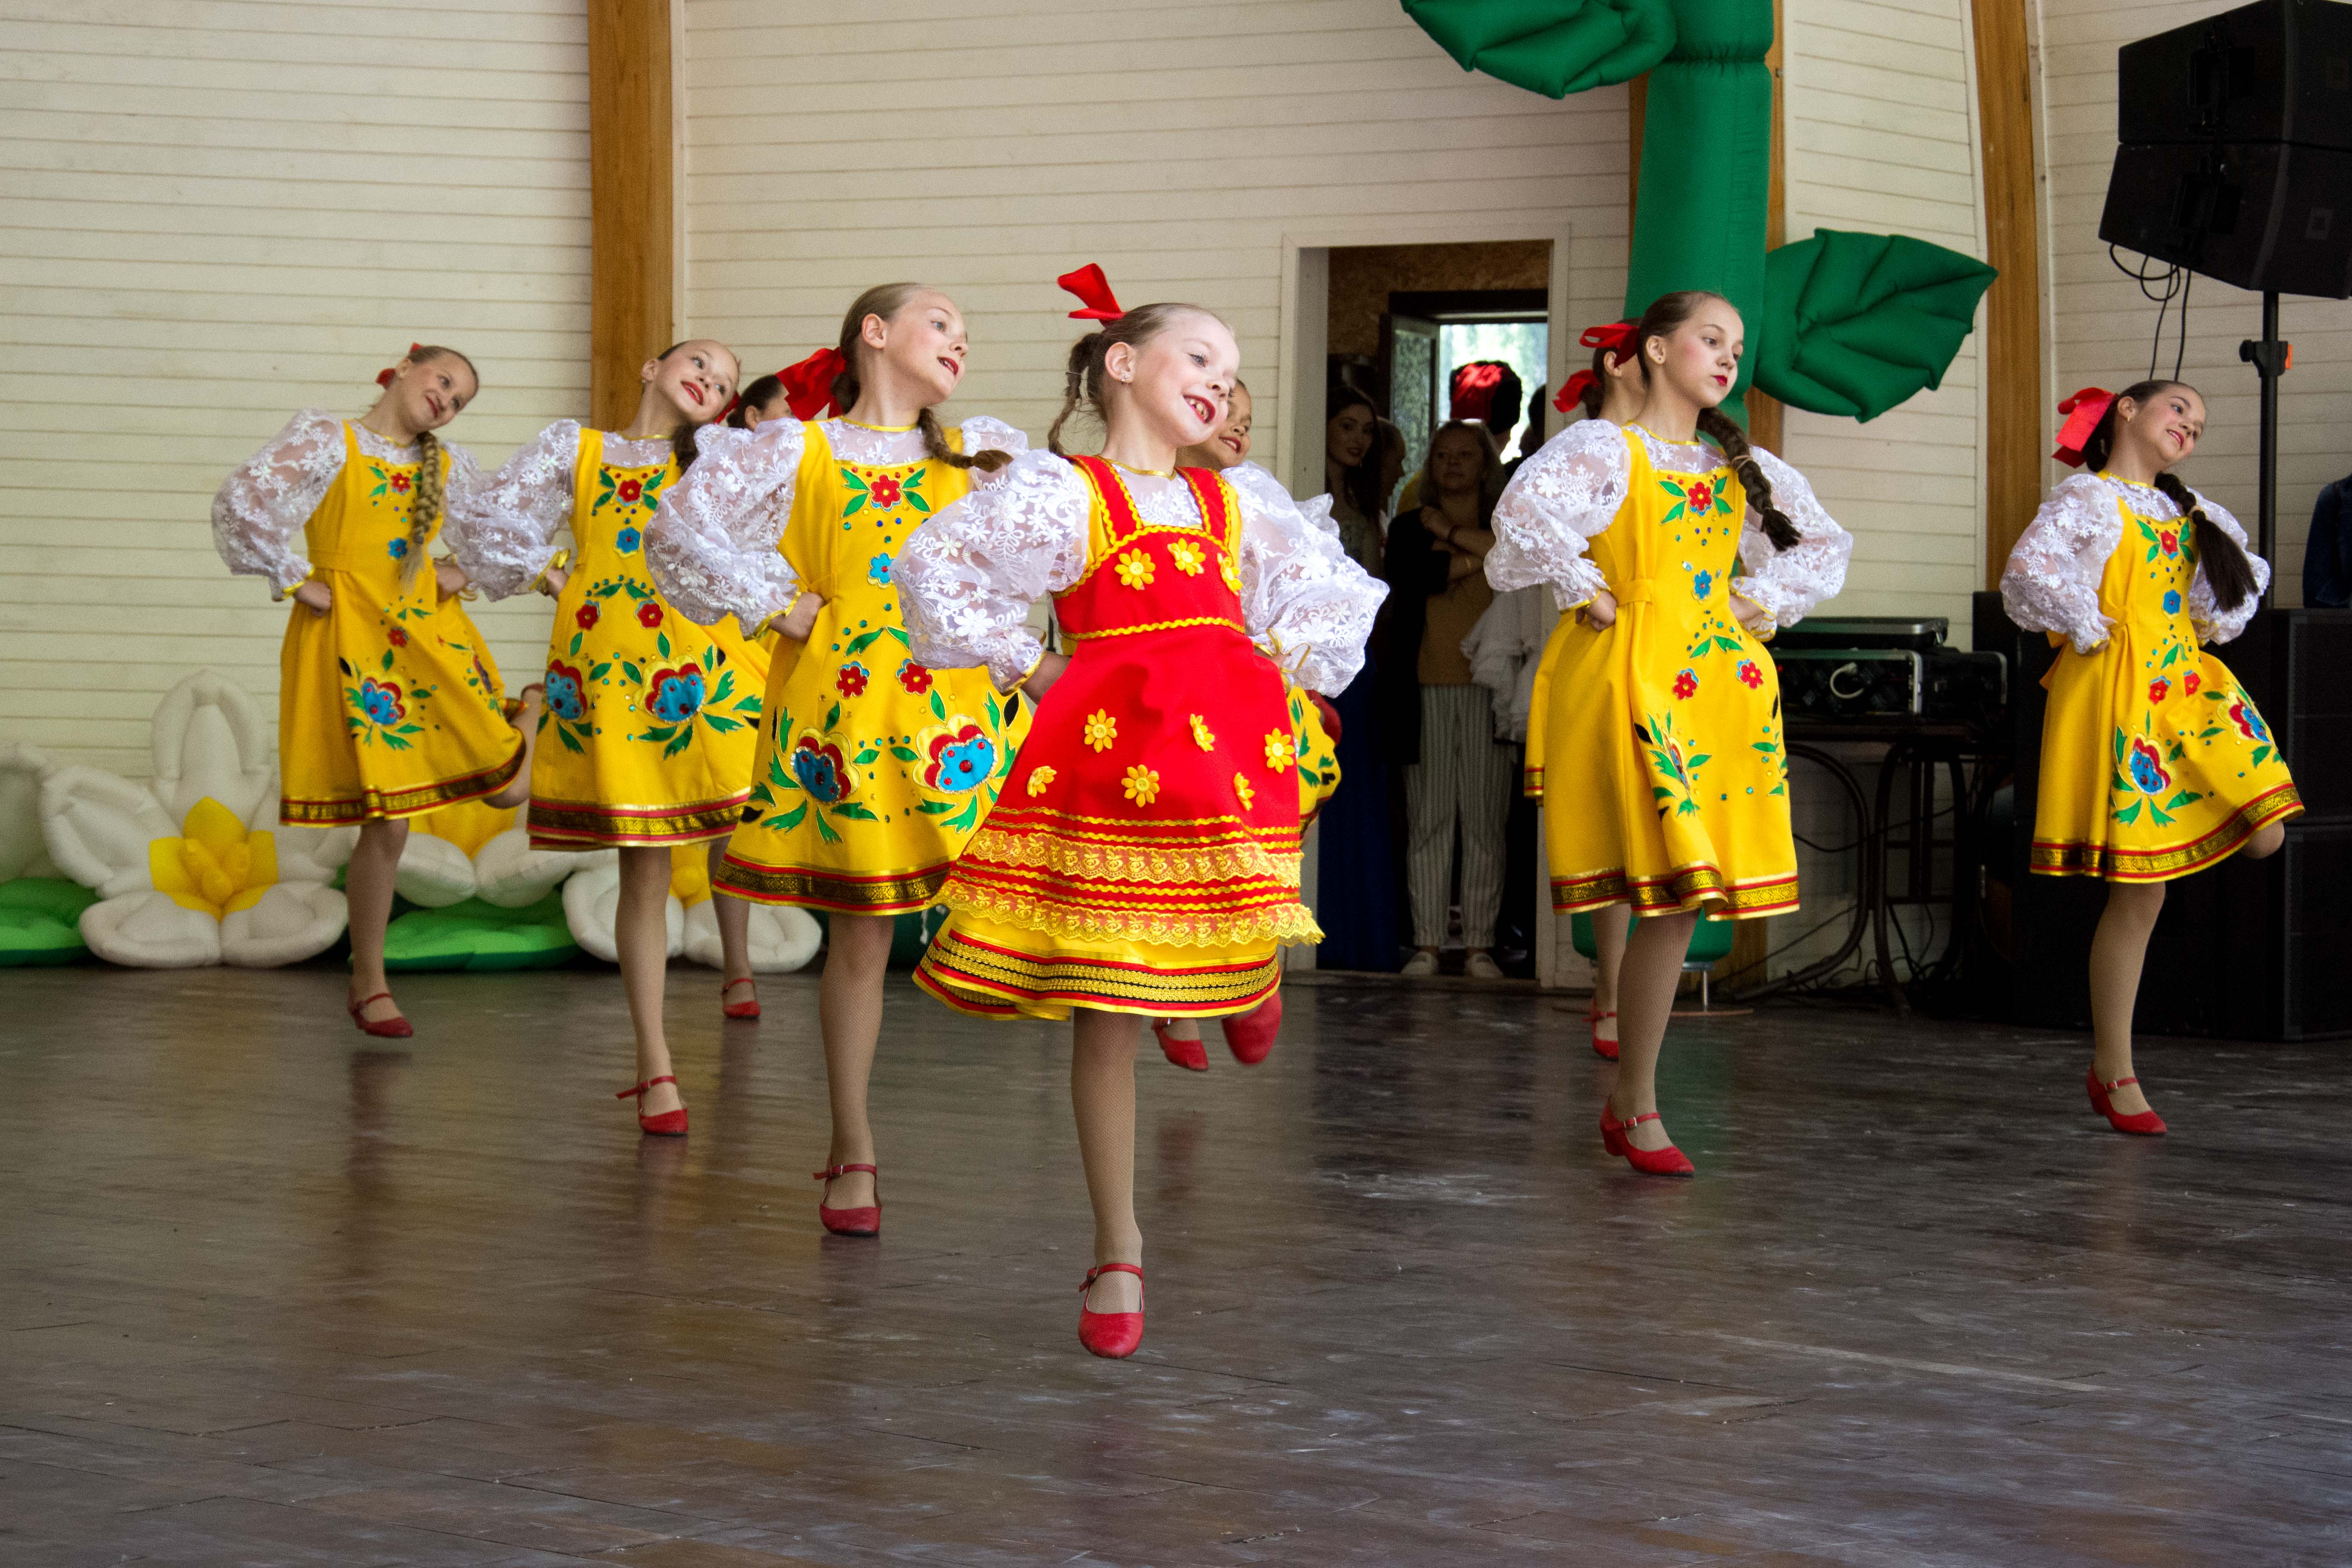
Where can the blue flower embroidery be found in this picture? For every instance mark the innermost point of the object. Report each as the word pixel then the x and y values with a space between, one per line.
pixel 878 571
pixel 399 548
pixel 2148 772
pixel 626 541
pixel 2172 602
pixel 1702 584
pixel 675 694
pixel 815 771
pixel 379 702
pixel 563 696
pixel 963 766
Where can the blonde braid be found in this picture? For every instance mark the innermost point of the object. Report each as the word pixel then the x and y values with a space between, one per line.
pixel 425 508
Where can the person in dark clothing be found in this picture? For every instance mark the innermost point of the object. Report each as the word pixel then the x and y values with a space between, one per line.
pixel 2327 553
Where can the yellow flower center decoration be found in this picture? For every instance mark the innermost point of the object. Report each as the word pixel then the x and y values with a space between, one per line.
pixel 215 867
pixel 1135 569
pixel 1187 556
pixel 1101 730
pixel 1142 785
pixel 1232 575
pixel 1039 780
pixel 1242 788
pixel 1200 736
pixel 1280 752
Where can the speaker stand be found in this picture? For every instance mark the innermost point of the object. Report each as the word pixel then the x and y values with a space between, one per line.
pixel 2270 359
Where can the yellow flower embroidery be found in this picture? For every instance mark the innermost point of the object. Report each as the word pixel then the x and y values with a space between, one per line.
pixel 1187 556
pixel 1039 780
pixel 1242 788
pixel 1201 735
pixel 1101 730
pixel 1142 785
pixel 1280 753
pixel 1231 574
pixel 1135 569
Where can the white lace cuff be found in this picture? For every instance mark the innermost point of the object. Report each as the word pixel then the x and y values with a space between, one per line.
pixel 265 499
pixel 714 543
pixel 967 577
pixel 2052 581
pixel 1569 493
pixel 1311 605
pixel 501 532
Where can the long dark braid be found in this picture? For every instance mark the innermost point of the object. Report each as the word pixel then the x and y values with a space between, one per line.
pixel 2227 570
pixel 1667 312
pixel 886 300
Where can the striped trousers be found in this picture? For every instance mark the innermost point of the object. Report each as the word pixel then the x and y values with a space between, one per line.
pixel 1463 779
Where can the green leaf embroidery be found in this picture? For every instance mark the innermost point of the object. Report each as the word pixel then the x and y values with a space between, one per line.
pixel 936 808
pixel 685 739
pixel 576 639
pixel 824 830
pixel 864 757
pixel 939 708
pixel 833 716
pixel 791 818
pixel 859 644
pixel 854 812
pixel 633 671
pixel 905 753
pixel 720 723
pixel 661 644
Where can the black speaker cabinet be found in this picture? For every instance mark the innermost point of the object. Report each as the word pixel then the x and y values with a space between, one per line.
pixel 2277 71
pixel 2259 215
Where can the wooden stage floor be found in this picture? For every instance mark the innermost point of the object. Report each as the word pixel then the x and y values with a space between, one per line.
pixel 278 1295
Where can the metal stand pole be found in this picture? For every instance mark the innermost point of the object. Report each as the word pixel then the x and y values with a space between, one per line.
pixel 2269 358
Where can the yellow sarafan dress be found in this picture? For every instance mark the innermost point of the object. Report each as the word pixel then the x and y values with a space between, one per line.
pixel 2155 763
pixel 873 769
pixel 390 704
pixel 1656 744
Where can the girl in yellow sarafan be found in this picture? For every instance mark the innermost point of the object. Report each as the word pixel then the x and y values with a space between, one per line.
pixel 389 704
pixel 650 719
pixel 2155 763
pixel 873 768
pixel 1664 768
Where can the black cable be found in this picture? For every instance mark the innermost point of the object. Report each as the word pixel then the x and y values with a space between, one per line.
pixel 2174 281
pixel 2180 344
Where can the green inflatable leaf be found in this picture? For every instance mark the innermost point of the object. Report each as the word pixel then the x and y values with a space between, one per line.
pixel 1854 323
pixel 1551 46
pixel 482 937
pixel 40 922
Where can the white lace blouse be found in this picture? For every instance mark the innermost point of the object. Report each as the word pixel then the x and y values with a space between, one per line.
pixel 502 532
pixel 2052 581
pixel 968 577
pixel 261 507
pixel 712 544
pixel 1572 490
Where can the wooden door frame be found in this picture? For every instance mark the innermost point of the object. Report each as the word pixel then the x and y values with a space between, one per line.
pixel 634 151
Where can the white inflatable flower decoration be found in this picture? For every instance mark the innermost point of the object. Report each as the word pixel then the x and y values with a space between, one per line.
pixel 783 938
pixel 478 851
pixel 191 868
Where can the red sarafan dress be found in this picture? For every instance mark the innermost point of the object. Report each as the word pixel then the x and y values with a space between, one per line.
pixel 1144 854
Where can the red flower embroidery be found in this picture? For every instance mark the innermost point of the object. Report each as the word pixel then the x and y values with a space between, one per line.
pixel 1750 675
pixel 2190 682
pixel 2171 540
pixel 2159 688
pixel 1700 496
pixel 631 489
pixel 586 617
pixel 915 677
pixel 649 614
pixel 400 483
pixel 1685 684
pixel 885 490
pixel 851 680
pixel 395 636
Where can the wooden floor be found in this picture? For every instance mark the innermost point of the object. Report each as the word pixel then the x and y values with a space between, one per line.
pixel 276 1295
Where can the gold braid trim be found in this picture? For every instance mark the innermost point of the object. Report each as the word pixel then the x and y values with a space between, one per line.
pixel 1689 888
pixel 989 982
pixel 371 806
pixel 2116 865
pixel 1287 923
pixel 1103 863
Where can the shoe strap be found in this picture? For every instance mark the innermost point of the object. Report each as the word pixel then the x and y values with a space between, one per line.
pixel 1645 1116
pixel 2110 1088
pixel 830 1171
pixel 639 1091
pixel 364 1002
pixel 731 986
pixel 1101 1268
pixel 1596 1017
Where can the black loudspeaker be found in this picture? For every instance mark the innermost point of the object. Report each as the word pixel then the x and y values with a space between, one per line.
pixel 2236 155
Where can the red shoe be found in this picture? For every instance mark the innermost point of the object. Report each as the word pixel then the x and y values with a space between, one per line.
pixel 1190 1054
pixel 851 1222
pixel 1250 1035
pixel 382 1029
pixel 2147 1123
pixel 1605 1049
pixel 667 1123
pixel 1111 1335
pixel 1666 1162
pixel 749 1009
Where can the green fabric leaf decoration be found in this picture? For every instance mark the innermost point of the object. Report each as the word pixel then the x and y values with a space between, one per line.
pixel 482 937
pixel 1855 323
pixel 1551 46
pixel 40 922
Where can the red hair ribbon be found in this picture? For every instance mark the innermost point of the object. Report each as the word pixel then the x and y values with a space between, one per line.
pixel 384 377
pixel 2084 411
pixel 1470 393
pixel 808 385
pixel 1572 393
pixel 1614 337
pixel 1093 290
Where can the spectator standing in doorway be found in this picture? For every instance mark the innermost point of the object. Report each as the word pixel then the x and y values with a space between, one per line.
pixel 1351 471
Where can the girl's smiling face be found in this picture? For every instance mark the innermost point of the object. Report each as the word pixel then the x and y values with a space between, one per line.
pixel 1178 383
pixel 428 394
pixel 2167 425
pixel 1231 444
pixel 924 346
pixel 697 379
pixel 1700 359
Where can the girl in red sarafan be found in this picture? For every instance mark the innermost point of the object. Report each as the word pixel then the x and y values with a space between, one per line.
pixel 1143 860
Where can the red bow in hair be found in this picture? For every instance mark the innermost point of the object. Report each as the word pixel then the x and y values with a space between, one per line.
pixel 808 385
pixel 1572 393
pixel 2084 411
pixel 1093 290
pixel 1470 394
pixel 384 377
pixel 1614 337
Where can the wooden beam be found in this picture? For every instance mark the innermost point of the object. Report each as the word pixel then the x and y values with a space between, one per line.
pixel 2012 339
pixel 633 267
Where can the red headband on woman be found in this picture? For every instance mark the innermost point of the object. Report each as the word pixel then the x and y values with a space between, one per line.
pixel 2084 411
pixel 808 385
pixel 384 377
pixel 1093 290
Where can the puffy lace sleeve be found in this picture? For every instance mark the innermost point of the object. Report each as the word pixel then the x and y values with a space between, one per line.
pixel 2214 624
pixel 1301 595
pixel 1571 491
pixel 982 433
pixel 267 499
pixel 712 545
pixel 1787 583
pixel 501 532
pixel 967 578
pixel 2052 581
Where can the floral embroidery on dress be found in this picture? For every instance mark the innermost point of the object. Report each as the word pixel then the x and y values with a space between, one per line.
pixel 1039 779
pixel 627 541
pixel 1135 569
pixel 380 706
pixel 1281 751
pixel 1666 757
pixel 397 549
pixel 883 490
pixel 631 494
pixel 915 677
pixel 850 679
pixel 1101 730
pixel 1686 685
pixel 1776 760
pixel 958 756
pixel 1187 556
pixel 1697 497
pixel 2141 776
pixel 1750 675
pixel 1247 792
pixel 816 768
pixel 1142 785
pixel 878 571
pixel 1201 735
